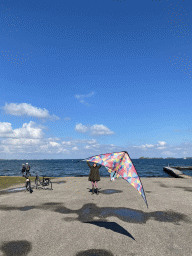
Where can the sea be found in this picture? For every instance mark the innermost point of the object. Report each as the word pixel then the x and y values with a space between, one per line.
pixel 77 168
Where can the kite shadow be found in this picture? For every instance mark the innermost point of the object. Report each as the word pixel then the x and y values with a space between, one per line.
pixel 112 226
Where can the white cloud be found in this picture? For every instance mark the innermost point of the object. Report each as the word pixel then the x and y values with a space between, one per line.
pixel 6 149
pixel 55 138
pixel 63 151
pixel 54 144
pixel 155 146
pixel 78 141
pixel 100 129
pixel 29 140
pixel 92 141
pixel 162 143
pixel 81 97
pixel 29 130
pixel 25 146
pixel 67 143
pixel 84 141
pixel 145 146
pixel 168 153
pixel 25 109
pixel 149 145
pixel 96 145
pixel 96 129
pixel 5 128
pixel 21 141
pixel 81 128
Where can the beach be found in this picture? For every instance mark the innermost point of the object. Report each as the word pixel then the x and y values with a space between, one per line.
pixel 69 220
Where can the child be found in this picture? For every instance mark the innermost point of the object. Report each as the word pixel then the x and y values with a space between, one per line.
pixel 94 176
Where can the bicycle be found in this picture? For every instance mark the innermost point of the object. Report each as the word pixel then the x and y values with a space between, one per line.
pixel 44 182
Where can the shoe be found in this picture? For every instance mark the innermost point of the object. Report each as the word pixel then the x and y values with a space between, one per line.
pixel 97 192
pixel 92 191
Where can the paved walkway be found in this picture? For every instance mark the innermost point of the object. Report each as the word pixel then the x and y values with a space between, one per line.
pixel 70 221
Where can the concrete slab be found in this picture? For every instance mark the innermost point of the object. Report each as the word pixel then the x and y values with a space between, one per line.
pixel 70 221
pixel 174 172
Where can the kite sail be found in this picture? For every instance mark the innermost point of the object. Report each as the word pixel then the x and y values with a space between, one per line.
pixel 120 163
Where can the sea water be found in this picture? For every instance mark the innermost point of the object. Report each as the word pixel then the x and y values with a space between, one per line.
pixel 70 167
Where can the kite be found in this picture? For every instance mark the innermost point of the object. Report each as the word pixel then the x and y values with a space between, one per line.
pixel 120 164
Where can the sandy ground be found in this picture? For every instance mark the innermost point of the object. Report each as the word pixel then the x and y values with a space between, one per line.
pixel 70 221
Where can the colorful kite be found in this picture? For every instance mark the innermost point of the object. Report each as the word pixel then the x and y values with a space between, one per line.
pixel 120 163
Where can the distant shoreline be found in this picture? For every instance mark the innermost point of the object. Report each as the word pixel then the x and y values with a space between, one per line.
pixel 164 158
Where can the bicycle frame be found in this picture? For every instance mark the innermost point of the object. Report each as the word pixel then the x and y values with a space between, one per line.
pixel 44 182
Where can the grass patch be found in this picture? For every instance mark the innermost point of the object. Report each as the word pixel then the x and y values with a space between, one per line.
pixel 8 181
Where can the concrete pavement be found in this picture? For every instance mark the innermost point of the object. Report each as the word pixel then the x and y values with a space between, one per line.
pixel 70 221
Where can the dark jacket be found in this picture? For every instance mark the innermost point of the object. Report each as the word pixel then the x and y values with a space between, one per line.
pixel 94 173
pixel 23 169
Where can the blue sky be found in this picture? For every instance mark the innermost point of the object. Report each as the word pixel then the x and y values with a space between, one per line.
pixel 80 78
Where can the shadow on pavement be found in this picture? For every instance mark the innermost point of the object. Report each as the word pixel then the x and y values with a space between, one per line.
pixel 94 252
pixel 107 191
pixel 88 213
pixel 112 226
pixel 16 248
pixel 189 189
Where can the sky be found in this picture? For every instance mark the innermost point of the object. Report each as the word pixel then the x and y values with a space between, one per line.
pixel 81 78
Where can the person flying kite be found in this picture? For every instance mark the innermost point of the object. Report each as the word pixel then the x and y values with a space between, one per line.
pixel 120 164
